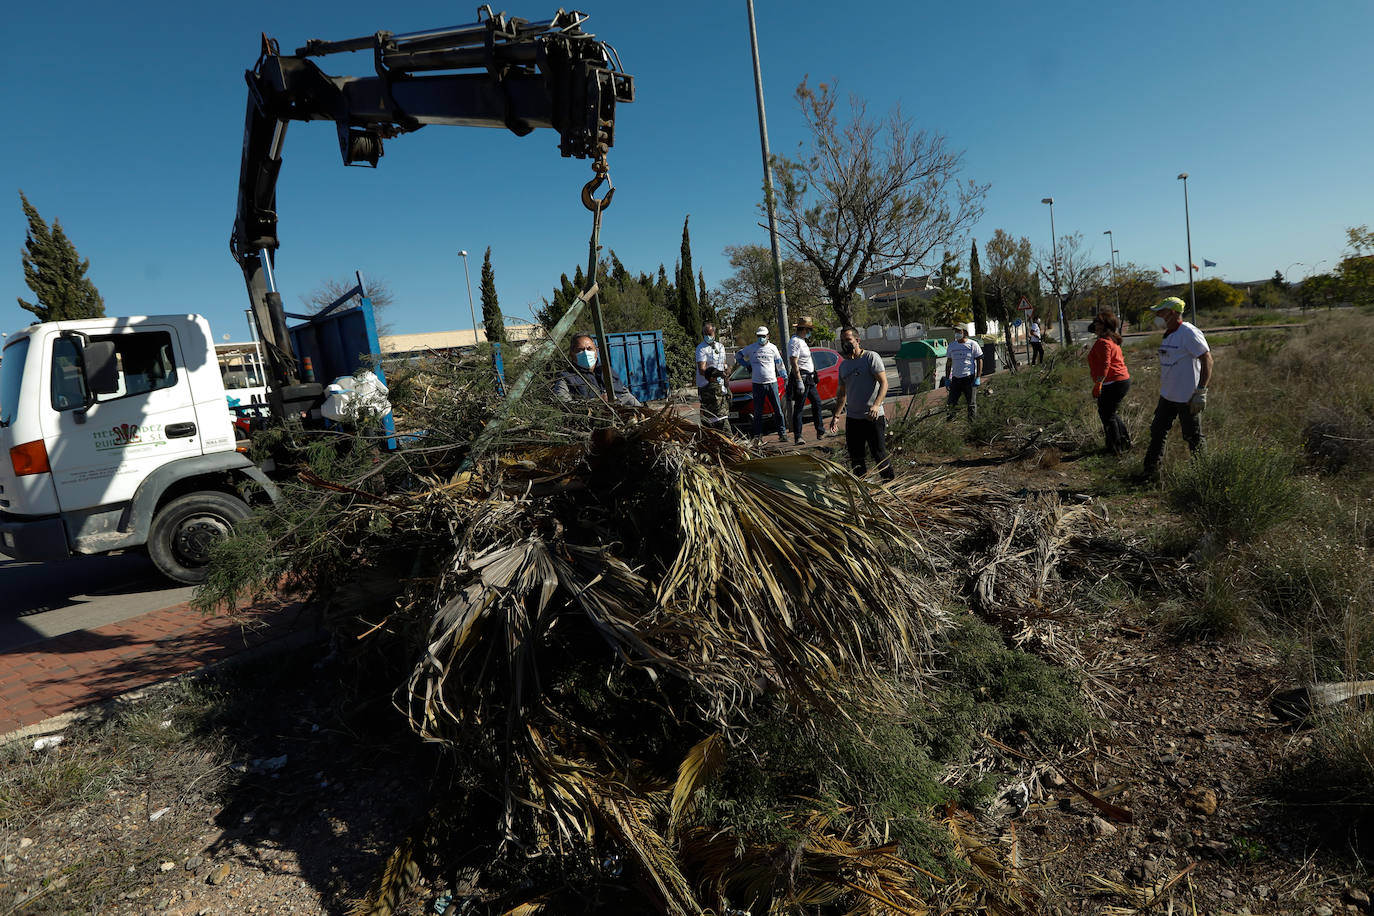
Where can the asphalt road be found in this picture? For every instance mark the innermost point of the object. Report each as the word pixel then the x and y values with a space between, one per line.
pixel 40 600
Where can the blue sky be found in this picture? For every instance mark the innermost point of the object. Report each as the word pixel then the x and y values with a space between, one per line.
pixel 127 119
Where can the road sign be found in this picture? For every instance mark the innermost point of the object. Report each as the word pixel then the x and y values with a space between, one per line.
pixel 1025 305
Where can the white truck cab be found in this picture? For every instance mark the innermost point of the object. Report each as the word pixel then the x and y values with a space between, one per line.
pixel 115 433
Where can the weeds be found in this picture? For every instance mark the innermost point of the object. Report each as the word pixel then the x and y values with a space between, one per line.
pixel 1050 400
pixel 900 764
pixel 1236 491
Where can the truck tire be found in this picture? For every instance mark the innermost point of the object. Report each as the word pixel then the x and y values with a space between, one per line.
pixel 184 531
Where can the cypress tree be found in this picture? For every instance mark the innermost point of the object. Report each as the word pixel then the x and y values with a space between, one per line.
pixel 56 273
pixel 620 274
pixel 491 310
pixel 704 303
pixel 980 301
pixel 688 306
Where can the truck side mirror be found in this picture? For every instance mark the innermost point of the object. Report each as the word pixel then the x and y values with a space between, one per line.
pixel 99 367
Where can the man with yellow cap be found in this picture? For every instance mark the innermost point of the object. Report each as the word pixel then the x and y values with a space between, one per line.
pixel 1185 368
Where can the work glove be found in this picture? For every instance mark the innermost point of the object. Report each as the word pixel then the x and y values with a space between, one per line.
pixel 977 381
pixel 1197 402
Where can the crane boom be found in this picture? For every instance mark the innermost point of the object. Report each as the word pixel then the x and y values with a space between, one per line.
pixel 497 72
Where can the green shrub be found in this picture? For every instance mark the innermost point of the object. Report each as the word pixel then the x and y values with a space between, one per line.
pixel 1236 491
pixel 1052 398
pixel 900 764
pixel 925 433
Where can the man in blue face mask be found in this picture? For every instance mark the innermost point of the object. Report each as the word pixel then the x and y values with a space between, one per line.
pixel 583 380
pixel 711 390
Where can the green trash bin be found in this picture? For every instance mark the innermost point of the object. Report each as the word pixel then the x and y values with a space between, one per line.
pixel 916 362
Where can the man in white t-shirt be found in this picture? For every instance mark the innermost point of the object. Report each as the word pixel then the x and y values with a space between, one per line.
pixel 1185 368
pixel 803 386
pixel 766 366
pixel 963 371
pixel 711 390
pixel 1037 345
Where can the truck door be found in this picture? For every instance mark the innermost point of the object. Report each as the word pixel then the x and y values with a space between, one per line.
pixel 99 454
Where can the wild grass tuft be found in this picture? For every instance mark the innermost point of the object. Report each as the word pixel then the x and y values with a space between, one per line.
pixel 1236 491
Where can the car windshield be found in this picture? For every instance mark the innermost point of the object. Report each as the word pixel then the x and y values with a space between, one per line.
pixel 11 373
pixel 739 373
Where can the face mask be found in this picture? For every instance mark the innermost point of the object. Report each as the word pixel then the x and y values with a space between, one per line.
pixel 806 335
pixel 710 338
pixel 1159 323
pixel 763 340
pixel 586 359
pixel 847 348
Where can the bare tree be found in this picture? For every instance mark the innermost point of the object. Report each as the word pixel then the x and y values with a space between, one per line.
pixel 751 288
pixel 869 193
pixel 1007 276
pixel 1075 272
pixel 378 291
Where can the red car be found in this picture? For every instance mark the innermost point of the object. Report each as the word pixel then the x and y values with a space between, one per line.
pixel 827 363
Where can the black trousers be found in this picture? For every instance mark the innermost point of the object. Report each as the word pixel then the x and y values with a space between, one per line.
pixel 1113 427
pixel 1165 414
pixel 963 388
pixel 862 436
pixel 803 390
pixel 1037 352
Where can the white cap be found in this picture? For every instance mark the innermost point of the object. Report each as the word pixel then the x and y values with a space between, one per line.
pixel 761 331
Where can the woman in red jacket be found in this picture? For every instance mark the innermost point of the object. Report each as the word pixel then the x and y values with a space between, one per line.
pixel 1111 381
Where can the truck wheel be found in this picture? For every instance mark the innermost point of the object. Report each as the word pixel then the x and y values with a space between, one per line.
pixel 184 531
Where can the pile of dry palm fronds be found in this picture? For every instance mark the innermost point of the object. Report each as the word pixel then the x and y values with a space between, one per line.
pixel 598 608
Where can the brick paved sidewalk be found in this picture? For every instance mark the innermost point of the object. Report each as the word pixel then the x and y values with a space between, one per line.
pixel 58 675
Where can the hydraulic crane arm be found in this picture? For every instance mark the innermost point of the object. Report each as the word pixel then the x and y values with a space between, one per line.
pixel 496 72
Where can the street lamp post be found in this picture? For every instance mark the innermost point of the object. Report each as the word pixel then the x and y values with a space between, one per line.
pixel 1111 257
pixel 1188 228
pixel 1054 264
pixel 471 311
pixel 769 202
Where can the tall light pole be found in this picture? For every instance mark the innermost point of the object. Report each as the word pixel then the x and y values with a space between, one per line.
pixel 471 311
pixel 768 180
pixel 1111 257
pixel 1054 265
pixel 1188 228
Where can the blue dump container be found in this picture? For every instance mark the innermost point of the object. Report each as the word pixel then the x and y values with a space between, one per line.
pixel 639 361
pixel 340 342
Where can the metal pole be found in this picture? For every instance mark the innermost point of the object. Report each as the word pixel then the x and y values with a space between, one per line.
pixel 1111 257
pixel 768 180
pixel 260 370
pixel 1188 228
pixel 471 311
pixel 1054 255
pixel 1115 297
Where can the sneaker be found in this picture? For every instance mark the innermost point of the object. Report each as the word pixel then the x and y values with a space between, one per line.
pixel 798 441
pixel 782 437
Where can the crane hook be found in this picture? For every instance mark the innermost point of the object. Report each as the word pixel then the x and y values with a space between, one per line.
pixel 603 176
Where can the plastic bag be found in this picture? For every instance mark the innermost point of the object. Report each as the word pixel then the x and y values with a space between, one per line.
pixel 353 398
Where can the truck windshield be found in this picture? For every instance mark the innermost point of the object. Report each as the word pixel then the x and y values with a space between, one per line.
pixel 11 373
